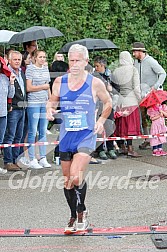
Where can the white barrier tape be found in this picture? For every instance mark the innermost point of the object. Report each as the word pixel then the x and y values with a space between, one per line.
pixel 98 140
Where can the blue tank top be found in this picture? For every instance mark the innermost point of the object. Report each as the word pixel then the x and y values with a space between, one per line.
pixel 78 115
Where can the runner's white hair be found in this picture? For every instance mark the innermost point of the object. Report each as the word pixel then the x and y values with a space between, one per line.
pixel 80 49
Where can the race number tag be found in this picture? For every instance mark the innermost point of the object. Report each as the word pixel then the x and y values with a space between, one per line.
pixel 75 122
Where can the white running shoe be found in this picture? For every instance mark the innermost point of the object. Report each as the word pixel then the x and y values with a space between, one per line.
pixel 82 221
pixel 34 164
pixel 3 171
pixel 44 163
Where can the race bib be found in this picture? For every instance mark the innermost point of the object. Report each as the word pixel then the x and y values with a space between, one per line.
pixel 75 122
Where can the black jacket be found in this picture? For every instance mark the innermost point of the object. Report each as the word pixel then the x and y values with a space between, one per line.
pixel 19 100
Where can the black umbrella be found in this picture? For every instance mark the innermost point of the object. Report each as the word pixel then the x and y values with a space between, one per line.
pixel 34 33
pixel 91 44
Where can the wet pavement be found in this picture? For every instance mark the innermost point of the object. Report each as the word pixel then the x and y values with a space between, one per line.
pixel 124 192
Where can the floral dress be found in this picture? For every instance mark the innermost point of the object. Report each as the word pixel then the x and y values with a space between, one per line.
pixel 158 125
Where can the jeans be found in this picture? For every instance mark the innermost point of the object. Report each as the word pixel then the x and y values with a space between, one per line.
pixel 37 121
pixel 3 122
pixel 25 131
pixel 13 134
pixel 159 146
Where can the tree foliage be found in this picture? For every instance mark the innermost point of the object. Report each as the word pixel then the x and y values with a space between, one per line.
pixel 122 21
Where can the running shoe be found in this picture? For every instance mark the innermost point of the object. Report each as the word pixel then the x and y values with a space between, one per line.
pixel 71 226
pixel 82 221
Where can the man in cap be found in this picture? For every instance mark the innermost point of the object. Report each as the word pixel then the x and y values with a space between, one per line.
pixel 152 75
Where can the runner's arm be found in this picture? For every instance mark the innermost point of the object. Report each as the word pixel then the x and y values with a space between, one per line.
pixel 53 101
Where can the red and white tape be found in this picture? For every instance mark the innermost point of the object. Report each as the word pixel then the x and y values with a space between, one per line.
pixel 98 140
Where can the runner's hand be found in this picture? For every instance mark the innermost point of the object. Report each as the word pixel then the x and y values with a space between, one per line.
pixel 99 128
pixel 50 114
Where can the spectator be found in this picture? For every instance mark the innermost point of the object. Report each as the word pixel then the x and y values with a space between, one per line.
pixel 58 57
pixel 127 114
pixel 7 89
pixel 58 68
pixel 38 88
pixel 152 75
pixel 26 60
pixel 157 115
pixel 30 46
pixel 101 71
pixel 23 158
pixel 15 117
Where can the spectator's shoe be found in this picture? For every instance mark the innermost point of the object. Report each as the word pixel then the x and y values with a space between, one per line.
pixel 48 132
pixel 144 145
pixel 162 153
pixel 82 221
pixel 71 226
pixel 44 163
pixel 156 153
pixel 23 162
pixel 112 154
pixel 102 155
pixel 11 167
pixel 133 154
pixel 3 171
pixel 34 164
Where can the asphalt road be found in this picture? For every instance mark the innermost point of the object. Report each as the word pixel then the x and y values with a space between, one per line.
pixel 122 192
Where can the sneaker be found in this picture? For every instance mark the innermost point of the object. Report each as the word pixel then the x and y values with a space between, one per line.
pixel 162 153
pixel 3 171
pixel 48 132
pixel 44 163
pixel 34 164
pixel 103 155
pixel 156 153
pixel 23 162
pixel 82 222
pixel 112 154
pixel 95 161
pixel 144 145
pixel 71 226
pixel 11 167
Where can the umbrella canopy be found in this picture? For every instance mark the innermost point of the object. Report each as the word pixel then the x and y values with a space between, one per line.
pixel 153 98
pixel 5 36
pixel 91 44
pixel 35 33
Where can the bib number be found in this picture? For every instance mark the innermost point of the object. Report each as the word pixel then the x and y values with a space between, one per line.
pixel 75 122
